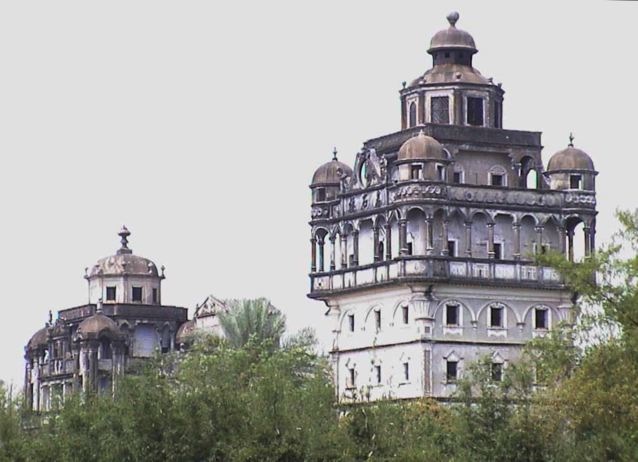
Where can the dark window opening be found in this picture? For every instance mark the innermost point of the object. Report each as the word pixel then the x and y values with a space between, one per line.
pixel 497 372
pixel 415 172
pixel 451 248
pixel 440 109
pixel 447 55
pixel 452 369
pixel 409 248
pixel 137 294
pixel 440 172
pixel 321 194
pixel 406 371
pixel 496 316
pixel 405 311
pixel 475 111
pixel 381 250
pixel 155 297
pixel 498 251
pixel 351 378
pixel 496 179
pixel 452 315
pixel 575 181
pixel 377 372
pixel 377 319
pixel 110 294
pixel 412 117
pixel 351 322
pixel 457 178
pixel 540 321
pixel 105 349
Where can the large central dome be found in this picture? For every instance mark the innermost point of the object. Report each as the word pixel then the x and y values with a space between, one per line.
pixel 124 262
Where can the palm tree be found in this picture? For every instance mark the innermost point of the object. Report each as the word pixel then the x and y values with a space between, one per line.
pixel 253 319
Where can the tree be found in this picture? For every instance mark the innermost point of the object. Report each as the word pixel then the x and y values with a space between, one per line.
pixel 252 319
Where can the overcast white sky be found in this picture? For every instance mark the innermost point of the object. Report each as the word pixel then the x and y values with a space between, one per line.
pixel 198 124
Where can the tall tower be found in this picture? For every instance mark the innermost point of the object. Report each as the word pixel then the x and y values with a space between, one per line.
pixel 424 251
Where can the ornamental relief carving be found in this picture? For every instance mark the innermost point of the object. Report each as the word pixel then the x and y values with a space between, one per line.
pixel 504 197
pixel 584 199
pixel 417 191
pixel 319 212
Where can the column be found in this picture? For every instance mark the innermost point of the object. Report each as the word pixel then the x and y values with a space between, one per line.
pixel 321 254
pixel 313 255
pixel 429 236
pixel 344 250
pixel 562 235
pixel 444 249
pixel 587 241
pixel 355 247
pixel 388 241
pixel 332 253
pixel 592 237
pixel 490 240
pixel 375 243
pixel 539 239
pixel 403 237
pixel 468 238
pixel 517 241
pixel 570 244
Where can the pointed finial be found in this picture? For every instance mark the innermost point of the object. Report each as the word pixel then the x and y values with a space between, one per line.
pixel 571 140
pixel 124 234
pixel 452 18
pixel 334 153
pixel 50 317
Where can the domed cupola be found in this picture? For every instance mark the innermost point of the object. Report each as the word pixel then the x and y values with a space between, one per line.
pixel 96 326
pixel 39 340
pixel 124 277
pixel 452 38
pixel 327 179
pixel 571 168
pixel 422 157
pixel 452 91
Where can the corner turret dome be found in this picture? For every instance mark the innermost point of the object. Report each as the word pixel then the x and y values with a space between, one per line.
pixel 329 174
pixel 39 339
pixel 452 38
pixel 570 158
pixel 185 332
pixel 94 326
pixel 421 147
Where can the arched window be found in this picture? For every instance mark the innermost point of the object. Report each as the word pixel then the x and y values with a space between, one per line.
pixel 412 116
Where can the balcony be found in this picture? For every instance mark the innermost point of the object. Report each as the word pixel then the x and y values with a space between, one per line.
pixel 436 269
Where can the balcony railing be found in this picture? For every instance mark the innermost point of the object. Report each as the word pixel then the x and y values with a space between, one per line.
pixel 436 269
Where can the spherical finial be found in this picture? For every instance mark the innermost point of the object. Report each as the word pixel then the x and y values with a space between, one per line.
pixel 452 18
pixel 334 153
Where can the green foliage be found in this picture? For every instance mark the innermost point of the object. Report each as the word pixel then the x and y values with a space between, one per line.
pixel 252 319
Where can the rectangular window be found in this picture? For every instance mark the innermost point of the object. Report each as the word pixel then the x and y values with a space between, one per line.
pixel 496 179
pixel 498 251
pixel 451 371
pixel 321 194
pixel 475 111
pixel 496 316
pixel 457 177
pixel 377 373
pixel 406 313
pixel 575 181
pixel 351 378
pixel 406 371
pixel 541 318
pixel 155 297
pixel 440 172
pixel 137 294
pixel 451 315
pixel 415 172
pixel 110 294
pixel 497 372
pixel 440 109
pixel 451 248
pixel 377 319
pixel 409 248
pixel 351 322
